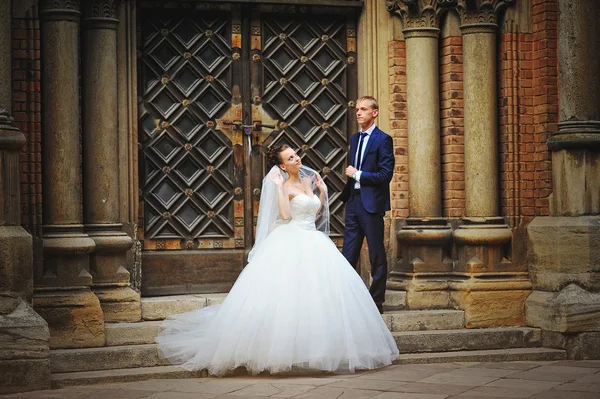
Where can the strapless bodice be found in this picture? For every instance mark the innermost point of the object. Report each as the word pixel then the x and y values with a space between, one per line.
pixel 303 208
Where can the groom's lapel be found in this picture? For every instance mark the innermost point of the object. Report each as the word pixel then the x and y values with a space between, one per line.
pixel 374 137
pixel 353 144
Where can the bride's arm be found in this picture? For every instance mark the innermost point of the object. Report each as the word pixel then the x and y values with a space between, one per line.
pixel 283 201
pixel 322 190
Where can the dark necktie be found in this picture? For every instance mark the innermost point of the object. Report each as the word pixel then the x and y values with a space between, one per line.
pixel 360 144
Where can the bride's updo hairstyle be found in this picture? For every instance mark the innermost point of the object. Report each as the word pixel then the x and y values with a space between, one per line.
pixel 273 155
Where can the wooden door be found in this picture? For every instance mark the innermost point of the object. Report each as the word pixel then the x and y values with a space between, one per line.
pixel 219 84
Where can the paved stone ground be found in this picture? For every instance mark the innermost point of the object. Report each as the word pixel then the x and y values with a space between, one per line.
pixel 547 380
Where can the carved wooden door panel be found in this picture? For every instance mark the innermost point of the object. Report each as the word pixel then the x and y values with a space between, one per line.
pixel 218 83
pixel 192 174
pixel 305 80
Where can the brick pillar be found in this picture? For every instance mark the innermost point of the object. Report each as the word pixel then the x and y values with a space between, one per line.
pixel 24 357
pixel 63 296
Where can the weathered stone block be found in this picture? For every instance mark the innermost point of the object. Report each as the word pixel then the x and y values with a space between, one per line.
pixel 579 346
pixel 75 318
pixel 423 293
pixel 395 300
pixel 491 303
pixel 24 353
pixel 573 309
pixel 427 299
pixel 119 304
pixel 564 250
pixel 16 258
pixel 24 375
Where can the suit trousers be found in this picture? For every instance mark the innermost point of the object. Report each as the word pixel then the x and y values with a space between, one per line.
pixel 361 224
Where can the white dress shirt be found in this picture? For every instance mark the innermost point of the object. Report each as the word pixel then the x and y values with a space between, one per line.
pixel 364 147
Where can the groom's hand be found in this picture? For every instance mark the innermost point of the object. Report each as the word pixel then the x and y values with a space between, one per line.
pixel 350 171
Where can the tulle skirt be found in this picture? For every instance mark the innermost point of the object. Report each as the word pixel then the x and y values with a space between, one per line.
pixel 297 305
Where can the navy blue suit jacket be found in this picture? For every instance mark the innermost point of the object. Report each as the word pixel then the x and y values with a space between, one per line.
pixel 377 171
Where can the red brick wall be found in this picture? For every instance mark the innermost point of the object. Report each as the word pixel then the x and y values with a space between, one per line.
pixel 516 125
pixel 545 97
pixel 528 100
pixel 399 128
pixel 27 115
pixel 452 126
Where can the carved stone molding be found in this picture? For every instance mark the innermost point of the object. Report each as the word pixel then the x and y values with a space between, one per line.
pixel 60 10
pixel 415 13
pixel 480 12
pixel 419 13
pixel 100 13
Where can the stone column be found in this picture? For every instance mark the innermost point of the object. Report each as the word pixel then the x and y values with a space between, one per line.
pixel 24 355
pixel 108 262
pixel 563 248
pixel 425 239
pixel 483 236
pixel 63 296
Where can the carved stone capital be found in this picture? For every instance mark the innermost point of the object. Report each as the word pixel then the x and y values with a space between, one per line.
pixel 419 13
pixel 62 10
pixel 476 12
pixel 100 14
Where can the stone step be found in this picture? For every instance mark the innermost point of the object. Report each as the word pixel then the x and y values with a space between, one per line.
pixel 159 307
pixel 467 339
pixel 490 355
pixel 118 334
pixel 106 358
pixel 394 300
pixel 148 355
pixel 421 320
pixel 61 380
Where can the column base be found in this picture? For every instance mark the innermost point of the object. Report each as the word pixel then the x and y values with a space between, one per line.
pixel 481 245
pixel 495 301
pixel 25 364
pixel 75 318
pixel 66 257
pixel 111 279
pixel 424 246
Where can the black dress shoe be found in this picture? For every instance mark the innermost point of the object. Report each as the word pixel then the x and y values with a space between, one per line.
pixel 380 308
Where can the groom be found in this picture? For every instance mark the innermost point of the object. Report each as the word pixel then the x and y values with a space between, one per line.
pixel 367 194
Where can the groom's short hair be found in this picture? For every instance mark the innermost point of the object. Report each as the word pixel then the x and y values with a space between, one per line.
pixel 371 99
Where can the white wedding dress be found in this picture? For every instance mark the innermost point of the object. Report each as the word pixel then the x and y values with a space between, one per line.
pixel 298 304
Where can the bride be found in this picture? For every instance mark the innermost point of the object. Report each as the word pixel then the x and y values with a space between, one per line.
pixel 298 304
